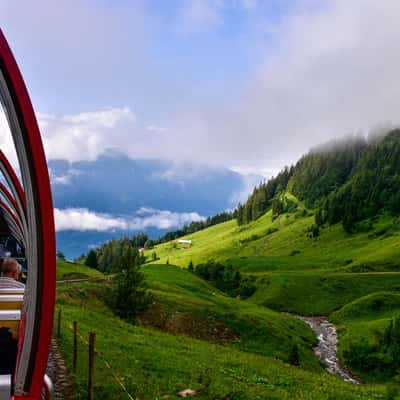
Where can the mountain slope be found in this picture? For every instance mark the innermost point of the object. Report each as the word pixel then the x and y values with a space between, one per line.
pixel 348 180
pixel 284 243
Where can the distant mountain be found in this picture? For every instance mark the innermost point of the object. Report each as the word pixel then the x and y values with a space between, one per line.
pixel 120 187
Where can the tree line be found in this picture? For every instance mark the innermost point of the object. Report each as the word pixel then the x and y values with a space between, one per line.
pixel 106 257
pixel 262 197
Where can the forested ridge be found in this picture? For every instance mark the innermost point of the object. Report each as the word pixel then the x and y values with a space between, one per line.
pixel 344 181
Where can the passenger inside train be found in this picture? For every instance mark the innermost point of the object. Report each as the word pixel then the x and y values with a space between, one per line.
pixel 11 299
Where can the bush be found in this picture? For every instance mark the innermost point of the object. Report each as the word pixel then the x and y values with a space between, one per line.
pixel 393 389
pixel 246 289
pixel 294 356
pixel 382 358
pixel 225 278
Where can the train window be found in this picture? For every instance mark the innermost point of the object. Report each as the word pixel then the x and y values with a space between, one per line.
pixel 27 235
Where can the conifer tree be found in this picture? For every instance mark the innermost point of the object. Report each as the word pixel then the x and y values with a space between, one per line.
pixel 129 297
pixel 91 260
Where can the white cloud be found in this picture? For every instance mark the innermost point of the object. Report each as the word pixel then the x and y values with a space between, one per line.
pixel 333 70
pixel 82 219
pixel 156 129
pixel 72 50
pixel 163 219
pixel 249 182
pixel 327 69
pixel 87 135
pixel 64 179
pixel 6 141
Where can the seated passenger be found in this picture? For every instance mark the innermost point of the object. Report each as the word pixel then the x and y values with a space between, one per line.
pixel 8 349
pixel 10 274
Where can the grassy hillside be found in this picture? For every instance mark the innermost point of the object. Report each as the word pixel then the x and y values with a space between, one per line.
pixel 68 270
pixel 361 325
pixel 354 279
pixel 319 292
pixel 283 244
pixel 371 307
pixel 185 304
pixel 248 327
pixel 154 364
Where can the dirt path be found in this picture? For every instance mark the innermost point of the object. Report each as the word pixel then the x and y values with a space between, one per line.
pixel 326 349
pixel 261 247
pixel 58 373
pixel 106 279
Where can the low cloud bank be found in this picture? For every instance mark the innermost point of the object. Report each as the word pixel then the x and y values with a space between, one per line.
pixel 83 219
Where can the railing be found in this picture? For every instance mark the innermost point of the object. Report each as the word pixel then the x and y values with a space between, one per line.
pixel 49 388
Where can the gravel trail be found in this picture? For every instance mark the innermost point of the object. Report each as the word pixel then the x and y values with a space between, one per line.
pixel 58 373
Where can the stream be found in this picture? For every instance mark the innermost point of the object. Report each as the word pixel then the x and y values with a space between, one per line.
pixel 326 349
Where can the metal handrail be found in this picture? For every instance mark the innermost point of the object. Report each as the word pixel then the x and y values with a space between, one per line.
pixel 49 388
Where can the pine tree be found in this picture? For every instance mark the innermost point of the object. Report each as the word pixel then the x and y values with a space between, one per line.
pixel 319 221
pixel 60 255
pixel 387 336
pixel 91 259
pixel 129 298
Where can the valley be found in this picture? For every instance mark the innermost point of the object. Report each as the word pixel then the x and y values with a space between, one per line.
pixel 295 296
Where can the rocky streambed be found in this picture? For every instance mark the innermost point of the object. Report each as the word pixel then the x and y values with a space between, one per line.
pixel 326 349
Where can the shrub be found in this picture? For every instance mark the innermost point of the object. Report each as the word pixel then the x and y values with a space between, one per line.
pixel 190 266
pixel 294 356
pixel 225 278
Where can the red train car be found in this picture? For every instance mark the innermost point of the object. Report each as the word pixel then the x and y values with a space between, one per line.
pixel 26 218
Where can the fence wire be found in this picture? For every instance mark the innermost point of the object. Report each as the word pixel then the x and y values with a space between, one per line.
pixel 116 378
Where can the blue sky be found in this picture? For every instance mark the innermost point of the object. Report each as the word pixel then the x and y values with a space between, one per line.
pixel 248 84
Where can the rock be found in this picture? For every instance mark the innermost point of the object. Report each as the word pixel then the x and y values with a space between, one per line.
pixel 187 393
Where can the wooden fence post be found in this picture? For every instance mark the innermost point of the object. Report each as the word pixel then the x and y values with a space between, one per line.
pixel 59 324
pixel 75 347
pixel 92 342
